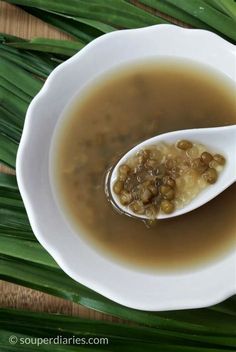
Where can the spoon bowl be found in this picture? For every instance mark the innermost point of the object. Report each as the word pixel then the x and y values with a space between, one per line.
pixel 220 139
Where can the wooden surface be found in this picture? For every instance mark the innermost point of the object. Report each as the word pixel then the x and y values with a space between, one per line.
pixel 16 22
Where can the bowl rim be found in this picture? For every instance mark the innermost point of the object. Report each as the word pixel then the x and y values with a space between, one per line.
pixel 26 153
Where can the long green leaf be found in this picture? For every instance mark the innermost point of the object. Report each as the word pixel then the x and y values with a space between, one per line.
pixel 9 125
pixel 228 7
pixel 7 152
pixel 117 13
pixel 103 27
pixel 19 77
pixel 9 37
pixel 25 235
pixel 116 344
pixel 8 181
pixel 9 201
pixel 9 187
pixel 62 47
pixel 10 117
pixel 16 107
pixel 27 250
pixel 117 335
pixel 52 325
pixel 4 83
pixel 95 25
pixel 176 13
pixel 8 128
pixel 227 306
pixel 9 131
pixel 9 218
pixel 27 61
pixel 207 14
pixel 78 30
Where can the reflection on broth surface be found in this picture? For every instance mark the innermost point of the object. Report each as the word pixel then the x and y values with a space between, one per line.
pixel 121 110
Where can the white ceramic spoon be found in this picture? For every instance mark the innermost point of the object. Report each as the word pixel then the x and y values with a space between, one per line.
pixel 220 140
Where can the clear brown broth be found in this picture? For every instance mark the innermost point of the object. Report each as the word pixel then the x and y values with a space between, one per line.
pixel 120 110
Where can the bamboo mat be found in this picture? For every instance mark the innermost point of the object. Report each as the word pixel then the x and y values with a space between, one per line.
pixel 16 22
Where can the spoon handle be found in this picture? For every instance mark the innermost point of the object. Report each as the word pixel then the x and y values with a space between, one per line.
pixel 229 136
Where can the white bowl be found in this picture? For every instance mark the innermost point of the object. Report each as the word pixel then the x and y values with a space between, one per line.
pixel 199 288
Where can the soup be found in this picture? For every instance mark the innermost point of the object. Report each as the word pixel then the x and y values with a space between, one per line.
pixel 118 111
